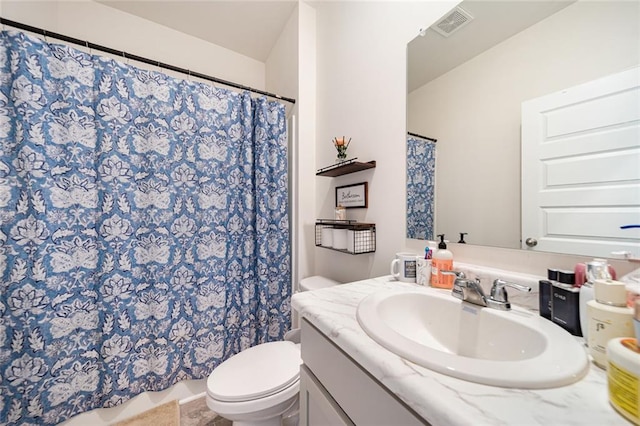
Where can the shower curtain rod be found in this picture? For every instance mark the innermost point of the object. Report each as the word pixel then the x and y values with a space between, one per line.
pixel 422 137
pixel 126 55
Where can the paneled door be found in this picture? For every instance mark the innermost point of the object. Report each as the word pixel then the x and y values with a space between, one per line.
pixel 581 168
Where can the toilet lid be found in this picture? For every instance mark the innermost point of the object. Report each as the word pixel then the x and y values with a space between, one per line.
pixel 256 372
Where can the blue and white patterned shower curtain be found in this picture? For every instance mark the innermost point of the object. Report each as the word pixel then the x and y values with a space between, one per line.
pixel 144 229
pixel 421 177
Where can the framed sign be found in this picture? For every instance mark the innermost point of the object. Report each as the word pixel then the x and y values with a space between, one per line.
pixel 352 196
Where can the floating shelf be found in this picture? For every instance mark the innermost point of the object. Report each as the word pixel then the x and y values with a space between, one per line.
pixel 355 237
pixel 344 168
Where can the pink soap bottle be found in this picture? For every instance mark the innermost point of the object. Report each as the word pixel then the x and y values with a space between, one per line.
pixel 581 274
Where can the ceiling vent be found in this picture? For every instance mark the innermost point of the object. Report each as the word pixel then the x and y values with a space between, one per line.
pixel 452 22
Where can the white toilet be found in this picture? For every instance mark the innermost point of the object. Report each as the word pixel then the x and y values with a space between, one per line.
pixel 258 385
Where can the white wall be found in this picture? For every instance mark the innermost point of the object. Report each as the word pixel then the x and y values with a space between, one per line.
pixel 281 67
pixel 305 156
pixel 291 72
pixel 282 79
pixel 361 90
pixel 100 24
pixel 474 111
pixel 361 72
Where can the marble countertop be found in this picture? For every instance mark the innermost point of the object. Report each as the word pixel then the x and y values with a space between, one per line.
pixel 442 400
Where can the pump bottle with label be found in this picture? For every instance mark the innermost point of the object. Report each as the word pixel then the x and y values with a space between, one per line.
pixel 442 261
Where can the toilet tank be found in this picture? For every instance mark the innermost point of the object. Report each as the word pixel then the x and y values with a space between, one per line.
pixel 316 282
pixel 307 284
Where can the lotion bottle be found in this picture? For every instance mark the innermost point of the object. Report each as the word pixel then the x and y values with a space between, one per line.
pixel 597 269
pixel 609 317
pixel 442 261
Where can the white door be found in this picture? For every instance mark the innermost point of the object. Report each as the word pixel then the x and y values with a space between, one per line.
pixel 581 168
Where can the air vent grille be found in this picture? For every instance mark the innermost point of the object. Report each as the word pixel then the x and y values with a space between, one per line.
pixel 452 22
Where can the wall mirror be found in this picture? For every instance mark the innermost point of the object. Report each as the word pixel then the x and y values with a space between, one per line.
pixel 466 91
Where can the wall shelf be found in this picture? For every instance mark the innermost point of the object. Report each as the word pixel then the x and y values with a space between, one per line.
pixel 346 236
pixel 344 168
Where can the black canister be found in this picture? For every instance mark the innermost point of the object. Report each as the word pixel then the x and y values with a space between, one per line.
pixel 565 303
pixel 544 298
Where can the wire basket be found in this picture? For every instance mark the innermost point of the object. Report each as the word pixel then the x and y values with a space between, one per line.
pixel 346 236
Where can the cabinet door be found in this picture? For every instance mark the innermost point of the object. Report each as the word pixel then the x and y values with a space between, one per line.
pixel 360 396
pixel 317 408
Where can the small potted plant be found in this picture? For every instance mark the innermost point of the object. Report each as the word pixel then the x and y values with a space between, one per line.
pixel 341 145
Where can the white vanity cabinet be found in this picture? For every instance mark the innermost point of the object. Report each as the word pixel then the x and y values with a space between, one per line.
pixel 348 378
pixel 334 390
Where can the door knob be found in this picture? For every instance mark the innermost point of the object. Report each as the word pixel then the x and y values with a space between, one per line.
pixel 531 242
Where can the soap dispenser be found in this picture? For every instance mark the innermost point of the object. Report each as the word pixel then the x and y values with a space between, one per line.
pixel 442 261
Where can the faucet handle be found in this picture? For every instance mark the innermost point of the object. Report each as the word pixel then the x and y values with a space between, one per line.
pixel 457 274
pixel 499 293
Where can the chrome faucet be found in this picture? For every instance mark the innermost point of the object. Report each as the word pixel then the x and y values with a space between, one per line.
pixel 471 291
pixel 467 289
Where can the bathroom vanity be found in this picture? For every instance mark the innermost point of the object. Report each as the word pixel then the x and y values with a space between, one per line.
pixel 348 378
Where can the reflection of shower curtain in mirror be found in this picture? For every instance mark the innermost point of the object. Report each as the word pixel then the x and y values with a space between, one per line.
pixel 144 232
pixel 421 169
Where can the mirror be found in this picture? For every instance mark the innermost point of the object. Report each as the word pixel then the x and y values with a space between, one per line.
pixel 466 91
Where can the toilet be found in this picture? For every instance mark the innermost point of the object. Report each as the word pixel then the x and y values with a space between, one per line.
pixel 260 384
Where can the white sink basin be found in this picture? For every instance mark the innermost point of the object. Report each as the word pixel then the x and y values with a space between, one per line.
pixel 516 349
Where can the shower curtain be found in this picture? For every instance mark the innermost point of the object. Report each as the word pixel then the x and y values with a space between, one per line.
pixel 421 176
pixel 143 227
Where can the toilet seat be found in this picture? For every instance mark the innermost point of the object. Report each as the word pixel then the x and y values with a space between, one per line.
pixel 257 372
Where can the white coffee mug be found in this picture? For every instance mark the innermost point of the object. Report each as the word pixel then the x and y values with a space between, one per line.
pixel 403 267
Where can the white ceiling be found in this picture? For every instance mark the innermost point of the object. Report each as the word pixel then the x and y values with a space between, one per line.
pixel 250 28
pixel 494 21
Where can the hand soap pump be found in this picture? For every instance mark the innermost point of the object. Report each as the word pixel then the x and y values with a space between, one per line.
pixel 442 261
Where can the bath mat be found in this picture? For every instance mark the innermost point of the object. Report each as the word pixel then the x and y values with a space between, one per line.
pixel 167 414
pixel 196 413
